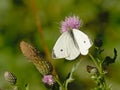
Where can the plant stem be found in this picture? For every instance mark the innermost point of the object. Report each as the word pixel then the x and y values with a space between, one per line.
pixel 38 24
pixel 39 28
pixel 101 75
pixel 60 84
pixel 95 62
pixel 70 78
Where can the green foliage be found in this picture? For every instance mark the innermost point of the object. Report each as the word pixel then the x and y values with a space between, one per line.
pixel 101 18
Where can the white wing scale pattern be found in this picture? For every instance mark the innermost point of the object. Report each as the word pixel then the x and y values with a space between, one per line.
pixel 83 41
pixel 65 47
pixel 69 46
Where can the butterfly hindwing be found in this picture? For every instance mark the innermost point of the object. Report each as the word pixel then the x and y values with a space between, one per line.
pixel 82 40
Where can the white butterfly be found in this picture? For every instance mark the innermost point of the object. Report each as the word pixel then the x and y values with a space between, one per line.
pixel 71 44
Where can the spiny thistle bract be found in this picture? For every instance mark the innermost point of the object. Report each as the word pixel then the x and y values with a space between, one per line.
pixel 10 78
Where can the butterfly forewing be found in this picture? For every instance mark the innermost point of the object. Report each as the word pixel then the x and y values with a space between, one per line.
pixel 65 47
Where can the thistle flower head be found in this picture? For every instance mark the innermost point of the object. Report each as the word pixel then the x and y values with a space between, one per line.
pixel 72 22
pixel 48 79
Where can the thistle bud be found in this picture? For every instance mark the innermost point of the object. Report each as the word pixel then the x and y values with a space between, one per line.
pixel 43 66
pixel 10 78
pixel 98 42
pixel 91 69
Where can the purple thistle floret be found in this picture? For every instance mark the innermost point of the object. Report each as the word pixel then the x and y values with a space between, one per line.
pixel 48 79
pixel 72 22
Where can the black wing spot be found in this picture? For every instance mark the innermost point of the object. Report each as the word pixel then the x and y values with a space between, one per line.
pixel 61 50
pixel 84 41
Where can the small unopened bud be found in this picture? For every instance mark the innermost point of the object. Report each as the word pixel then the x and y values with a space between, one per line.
pixel 10 78
pixel 43 66
pixel 98 42
pixel 92 70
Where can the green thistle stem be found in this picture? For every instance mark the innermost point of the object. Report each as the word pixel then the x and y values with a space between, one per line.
pixel 101 75
pixel 60 84
pixel 69 79
pixel 95 62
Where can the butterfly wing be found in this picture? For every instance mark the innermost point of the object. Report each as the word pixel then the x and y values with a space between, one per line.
pixel 65 47
pixel 83 41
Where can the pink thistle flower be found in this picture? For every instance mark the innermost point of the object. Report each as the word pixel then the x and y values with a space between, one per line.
pixel 72 22
pixel 48 79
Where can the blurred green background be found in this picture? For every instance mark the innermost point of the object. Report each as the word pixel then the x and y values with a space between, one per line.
pixel 101 18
